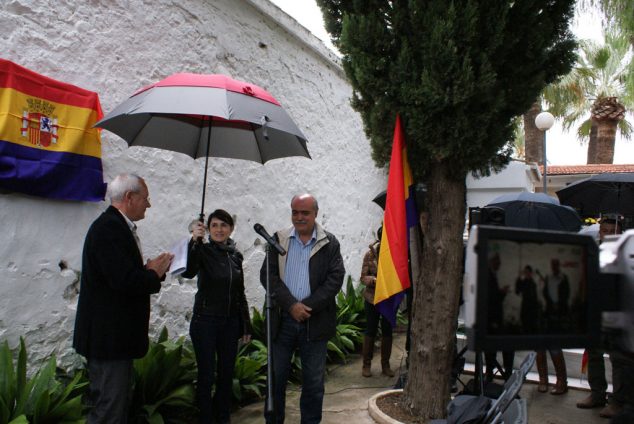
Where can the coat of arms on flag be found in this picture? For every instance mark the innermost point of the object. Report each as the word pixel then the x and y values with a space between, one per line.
pixel 48 146
pixel 39 123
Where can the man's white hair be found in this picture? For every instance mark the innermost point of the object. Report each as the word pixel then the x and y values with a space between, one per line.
pixel 315 204
pixel 123 183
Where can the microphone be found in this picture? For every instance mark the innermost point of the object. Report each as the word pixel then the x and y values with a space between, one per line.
pixel 270 240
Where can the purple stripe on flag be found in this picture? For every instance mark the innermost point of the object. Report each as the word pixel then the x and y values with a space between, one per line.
pixel 55 175
pixel 389 307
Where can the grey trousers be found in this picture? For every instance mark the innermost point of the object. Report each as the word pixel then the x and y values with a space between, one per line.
pixel 110 382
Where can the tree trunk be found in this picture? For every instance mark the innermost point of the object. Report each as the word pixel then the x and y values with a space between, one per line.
pixel 606 136
pixel 592 144
pixel 533 137
pixel 436 296
pixel 606 112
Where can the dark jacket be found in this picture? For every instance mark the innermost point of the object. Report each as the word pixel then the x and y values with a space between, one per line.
pixel 113 310
pixel 326 273
pixel 220 281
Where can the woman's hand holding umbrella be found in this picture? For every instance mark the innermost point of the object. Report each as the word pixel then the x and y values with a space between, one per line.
pixel 198 230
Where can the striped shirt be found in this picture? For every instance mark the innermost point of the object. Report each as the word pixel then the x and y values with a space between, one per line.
pixel 296 272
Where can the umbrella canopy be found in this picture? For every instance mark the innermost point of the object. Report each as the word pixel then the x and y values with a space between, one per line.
pixel 601 193
pixel 536 210
pixel 207 115
pixel 420 190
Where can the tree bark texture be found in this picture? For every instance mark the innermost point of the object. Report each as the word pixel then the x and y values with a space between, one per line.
pixel 592 144
pixel 606 112
pixel 606 136
pixel 533 137
pixel 436 296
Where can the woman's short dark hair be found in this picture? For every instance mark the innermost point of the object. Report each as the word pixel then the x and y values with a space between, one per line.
pixel 222 215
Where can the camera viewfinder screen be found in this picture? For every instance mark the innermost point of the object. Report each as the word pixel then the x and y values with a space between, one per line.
pixel 536 288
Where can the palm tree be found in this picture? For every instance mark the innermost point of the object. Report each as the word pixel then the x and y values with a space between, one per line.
pixel 596 93
pixel 533 146
pixel 620 12
pixel 519 146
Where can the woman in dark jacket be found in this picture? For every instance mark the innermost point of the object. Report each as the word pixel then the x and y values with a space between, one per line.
pixel 221 313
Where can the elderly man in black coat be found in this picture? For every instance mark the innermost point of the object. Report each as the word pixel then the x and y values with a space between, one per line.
pixel 111 326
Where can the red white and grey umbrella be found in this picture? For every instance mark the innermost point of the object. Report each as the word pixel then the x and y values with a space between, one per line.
pixel 207 115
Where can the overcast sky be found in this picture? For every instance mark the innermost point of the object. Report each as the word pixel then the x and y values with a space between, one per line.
pixel 562 148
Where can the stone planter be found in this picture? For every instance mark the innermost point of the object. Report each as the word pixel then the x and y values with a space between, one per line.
pixel 378 415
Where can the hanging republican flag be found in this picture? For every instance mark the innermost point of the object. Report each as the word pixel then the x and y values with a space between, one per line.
pixel 400 215
pixel 48 146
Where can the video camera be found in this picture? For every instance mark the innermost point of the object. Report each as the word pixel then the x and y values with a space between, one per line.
pixel 533 289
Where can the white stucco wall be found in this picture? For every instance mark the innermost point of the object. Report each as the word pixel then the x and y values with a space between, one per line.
pixel 114 47
pixel 516 177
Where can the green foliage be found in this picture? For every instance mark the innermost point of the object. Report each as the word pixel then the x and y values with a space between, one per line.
pixel 41 399
pixel 350 305
pixel 601 70
pixel 249 377
pixel 163 383
pixel 258 327
pixel 350 319
pixel 456 72
pixel 620 12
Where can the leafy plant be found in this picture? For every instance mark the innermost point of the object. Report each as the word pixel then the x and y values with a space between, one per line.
pixel 41 399
pixel 351 305
pixel 258 325
pixel 350 318
pixel 249 376
pixel 163 383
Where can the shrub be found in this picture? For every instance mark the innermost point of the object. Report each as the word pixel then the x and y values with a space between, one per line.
pixel 41 399
pixel 249 377
pixel 163 389
pixel 350 321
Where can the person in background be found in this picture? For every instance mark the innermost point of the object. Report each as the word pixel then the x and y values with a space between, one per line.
pixel 221 313
pixel 496 321
pixel 373 317
pixel 609 225
pixel 304 284
pixel 526 287
pixel 556 293
pixel 113 310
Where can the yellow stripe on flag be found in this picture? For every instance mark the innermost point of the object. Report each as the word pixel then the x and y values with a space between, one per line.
pixel 386 272
pixel 74 124
pixel 408 180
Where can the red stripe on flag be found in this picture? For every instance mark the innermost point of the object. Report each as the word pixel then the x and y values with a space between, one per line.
pixel 36 85
pixel 395 218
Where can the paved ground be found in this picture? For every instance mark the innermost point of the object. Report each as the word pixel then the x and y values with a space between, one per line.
pixel 347 394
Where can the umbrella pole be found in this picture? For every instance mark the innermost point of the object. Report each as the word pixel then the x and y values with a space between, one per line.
pixel 202 206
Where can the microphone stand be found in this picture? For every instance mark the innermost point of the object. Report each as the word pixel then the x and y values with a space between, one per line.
pixel 269 406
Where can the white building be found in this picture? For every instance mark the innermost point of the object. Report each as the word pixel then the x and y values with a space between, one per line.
pixel 118 46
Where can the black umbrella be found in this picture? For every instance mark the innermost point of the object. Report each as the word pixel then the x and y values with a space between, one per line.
pixel 420 190
pixel 536 210
pixel 601 193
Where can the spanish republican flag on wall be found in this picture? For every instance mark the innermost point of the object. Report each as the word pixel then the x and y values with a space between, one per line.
pixel 48 147
pixel 400 215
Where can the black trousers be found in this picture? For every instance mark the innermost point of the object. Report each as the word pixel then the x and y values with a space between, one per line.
pixel 215 340
pixel 110 382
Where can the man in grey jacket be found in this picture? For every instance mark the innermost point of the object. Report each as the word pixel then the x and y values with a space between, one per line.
pixel 303 284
